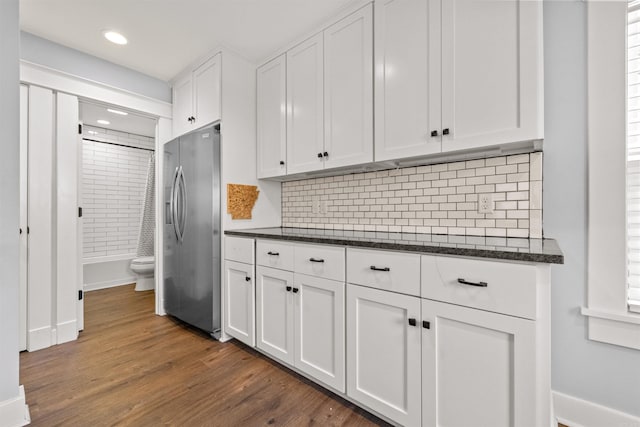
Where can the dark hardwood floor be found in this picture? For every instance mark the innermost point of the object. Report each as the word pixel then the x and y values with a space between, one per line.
pixel 130 367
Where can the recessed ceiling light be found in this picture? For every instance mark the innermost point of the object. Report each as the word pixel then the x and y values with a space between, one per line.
pixel 122 113
pixel 115 37
pixel 104 122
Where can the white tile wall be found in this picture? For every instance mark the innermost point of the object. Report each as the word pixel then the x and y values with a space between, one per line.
pixel 113 185
pixel 438 199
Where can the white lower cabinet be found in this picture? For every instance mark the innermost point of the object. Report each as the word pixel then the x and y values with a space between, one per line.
pixel 319 329
pixel 383 353
pixel 239 301
pixel 274 312
pixel 478 368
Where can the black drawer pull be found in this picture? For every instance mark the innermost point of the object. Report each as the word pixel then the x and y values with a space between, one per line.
pixel 273 253
pixel 288 288
pixel 412 322
pixel 316 260
pixel 374 268
pixel 295 290
pixel 479 284
pixel 426 324
pixel 247 278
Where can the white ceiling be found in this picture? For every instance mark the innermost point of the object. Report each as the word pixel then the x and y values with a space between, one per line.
pixel 90 113
pixel 167 35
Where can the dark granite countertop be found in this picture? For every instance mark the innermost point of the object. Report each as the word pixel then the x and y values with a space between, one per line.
pixel 507 248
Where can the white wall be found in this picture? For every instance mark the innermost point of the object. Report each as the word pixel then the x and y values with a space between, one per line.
pixel 45 52
pixel 593 371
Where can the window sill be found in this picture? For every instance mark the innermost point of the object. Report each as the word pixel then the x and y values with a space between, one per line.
pixel 621 329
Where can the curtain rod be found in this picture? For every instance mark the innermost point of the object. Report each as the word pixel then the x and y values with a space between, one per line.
pixel 119 145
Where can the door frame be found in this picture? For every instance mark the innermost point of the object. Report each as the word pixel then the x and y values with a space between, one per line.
pixel 33 74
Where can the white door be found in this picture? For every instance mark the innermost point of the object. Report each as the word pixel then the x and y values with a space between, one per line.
pixel 407 78
pixel 206 92
pixel 383 352
pixel 182 105
pixel 348 90
pixel 24 150
pixel 274 313
pixel 491 72
pixel 319 329
pixel 271 118
pixel 239 301
pixel 478 368
pixel 305 133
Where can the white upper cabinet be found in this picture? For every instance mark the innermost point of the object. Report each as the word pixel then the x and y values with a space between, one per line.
pixel 197 98
pixel 348 95
pixel 305 132
pixel 456 75
pixel 491 72
pixel 407 79
pixel 271 80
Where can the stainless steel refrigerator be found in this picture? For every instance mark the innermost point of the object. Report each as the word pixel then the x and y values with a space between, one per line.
pixel 192 228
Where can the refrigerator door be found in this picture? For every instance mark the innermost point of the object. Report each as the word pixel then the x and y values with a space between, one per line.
pixel 199 198
pixel 172 248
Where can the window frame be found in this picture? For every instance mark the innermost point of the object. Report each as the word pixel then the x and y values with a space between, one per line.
pixel 609 318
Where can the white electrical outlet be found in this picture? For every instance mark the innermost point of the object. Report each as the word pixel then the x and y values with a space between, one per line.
pixel 315 205
pixel 485 203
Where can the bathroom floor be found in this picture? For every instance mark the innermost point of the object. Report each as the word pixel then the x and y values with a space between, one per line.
pixel 132 367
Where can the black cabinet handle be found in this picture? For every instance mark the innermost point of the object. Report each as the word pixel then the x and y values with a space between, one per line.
pixel 478 284
pixel 316 260
pixel 189 119
pixel 434 133
pixel 325 154
pixel 426 324
pixel 288 288
pixel 319 155
pixel 281 162
pixel 373 267
pixel 247 278
pixel 412 322
pixel 295 290
pixel 273 253
pixel 445 131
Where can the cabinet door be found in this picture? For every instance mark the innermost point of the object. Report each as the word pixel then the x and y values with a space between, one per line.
pixel 206 92
pixel 239 301
pixel 182 105
pixel 478 368
pixel 407 79
pixel 319 329
pixel 383 353
pixel 271 118
pixel 491 72
pixel 348 90
pixel 305 134
pixel 274 312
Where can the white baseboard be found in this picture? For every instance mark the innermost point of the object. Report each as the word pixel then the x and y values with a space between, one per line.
pixel 40 338
pixel 88 287
pixel 67 331
pixel 15 412
pixel 575 412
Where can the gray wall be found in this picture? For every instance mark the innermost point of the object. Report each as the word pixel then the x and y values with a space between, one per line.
pixel 45 52
pixel 602 373
pixel 10 197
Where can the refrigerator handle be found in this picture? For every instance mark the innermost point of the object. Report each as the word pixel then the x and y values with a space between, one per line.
pixel 183 187
pixel 178 211
pixel 172 202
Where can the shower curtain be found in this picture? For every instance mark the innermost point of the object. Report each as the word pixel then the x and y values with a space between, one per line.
pixel 147 222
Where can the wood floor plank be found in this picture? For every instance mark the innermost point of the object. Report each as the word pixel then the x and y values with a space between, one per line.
pixel 131 367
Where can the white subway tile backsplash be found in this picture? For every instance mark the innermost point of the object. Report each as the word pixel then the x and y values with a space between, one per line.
pixel 438 199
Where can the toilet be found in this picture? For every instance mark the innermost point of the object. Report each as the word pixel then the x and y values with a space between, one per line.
pixel 144 267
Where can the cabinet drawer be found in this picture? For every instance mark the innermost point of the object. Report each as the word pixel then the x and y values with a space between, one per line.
pixel 238 249
pixel 389 271
pixel 320 261
pixel 271 253
pixel 500 287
